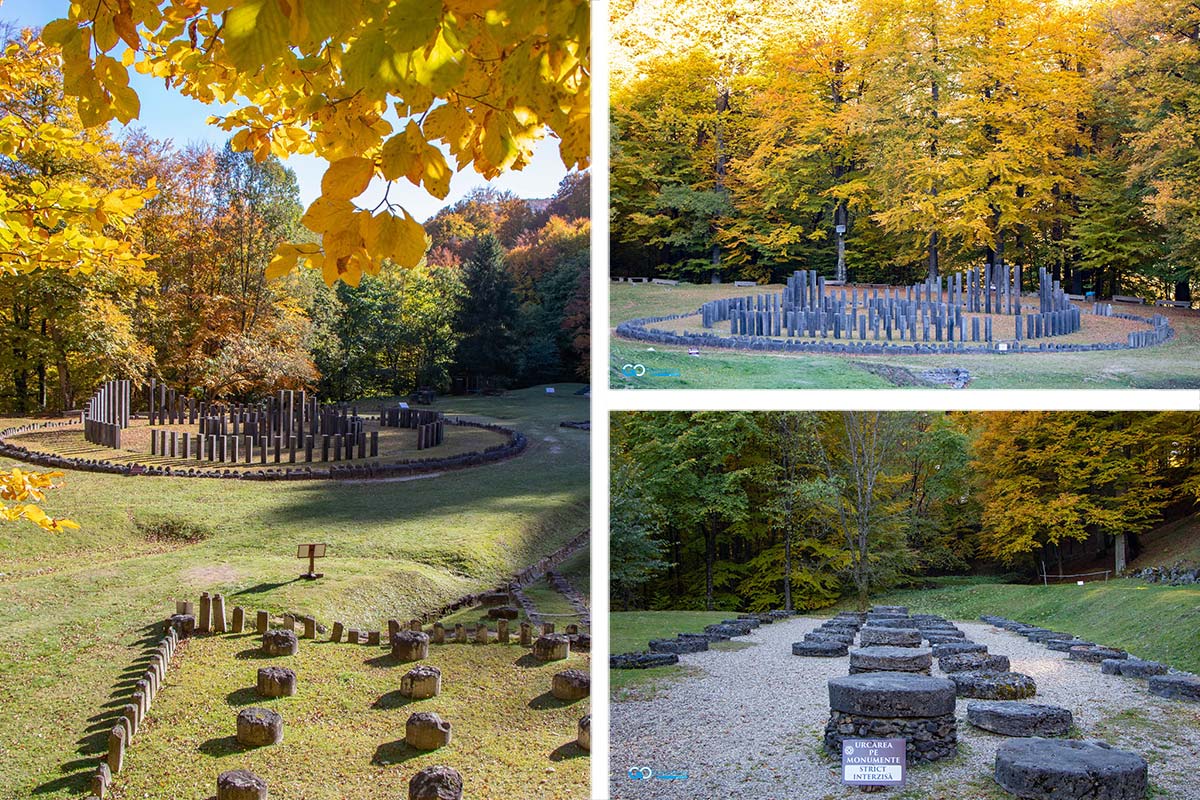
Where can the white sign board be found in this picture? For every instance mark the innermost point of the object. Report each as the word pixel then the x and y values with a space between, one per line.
pixel 873 762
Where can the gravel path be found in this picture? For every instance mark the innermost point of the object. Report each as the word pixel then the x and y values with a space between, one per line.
pixel 750 725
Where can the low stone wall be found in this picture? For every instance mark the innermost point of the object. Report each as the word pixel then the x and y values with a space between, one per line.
pixel 516 444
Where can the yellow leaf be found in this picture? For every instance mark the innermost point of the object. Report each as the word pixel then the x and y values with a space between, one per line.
pixel 412 23
pixel 327 213
pixel 437 173
pixel 347 178
pixel 255 32
pixel 402 239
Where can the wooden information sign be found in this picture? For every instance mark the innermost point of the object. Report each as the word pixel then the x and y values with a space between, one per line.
pixel 312 552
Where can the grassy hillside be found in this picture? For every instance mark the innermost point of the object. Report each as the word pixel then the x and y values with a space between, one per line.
pixel 1174 365
pixel 1161 623
pixel 74 607
pixel 1167 544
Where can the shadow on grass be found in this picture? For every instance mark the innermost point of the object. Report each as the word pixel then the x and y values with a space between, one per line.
pixel 392 699
pixel 386 661
pixel 254 654
pixel 567 751
pixel 547 701
pixel 527 661
pixel 92 745
pixel 396 752
pixel 223 746
pixel 244 696
pixel 263 588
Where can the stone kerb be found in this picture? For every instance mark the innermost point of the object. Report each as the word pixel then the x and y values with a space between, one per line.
pixel 878 705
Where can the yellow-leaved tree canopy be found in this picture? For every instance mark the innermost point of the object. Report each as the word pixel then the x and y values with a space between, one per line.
pixel 372 86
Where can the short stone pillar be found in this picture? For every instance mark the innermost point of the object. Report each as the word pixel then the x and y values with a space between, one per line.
pixel 280 643
pixel 373 638
pixel 117 740
pixel 239 619
pixel 184 625
pixel 101 780
pixel 1069 769
pixel 338 629
pixel 352 636
pixel 414 625
pixel 526 635
pixel 310 628
pixel 130 712
pixel 425 730
pixel 571 684
pixel 393 626
pixel 218 613
pixel 204 624
pixel 276 682
pixel 572 630
pixel 481 633
pixel 421 682
pixel 240 784
pixel 436 783
pixel 584 738
pixel 258 727
pixel 883 705
pixel 460 633
pixel 552 647
pixel 547 628
pixel 502 631
pixel 410 646
pixel 439 633
pixel 262 622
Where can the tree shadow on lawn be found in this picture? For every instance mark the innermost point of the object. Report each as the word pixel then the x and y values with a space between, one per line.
pixel 396 752
pixel 527 661
pixel 255 654
pixel 387 660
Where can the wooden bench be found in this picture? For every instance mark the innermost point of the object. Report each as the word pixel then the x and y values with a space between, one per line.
pixel 1124 298
pixel 665 282
pixel 1174 303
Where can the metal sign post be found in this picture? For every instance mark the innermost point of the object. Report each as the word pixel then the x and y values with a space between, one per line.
pixel 312 552
pixel 873 762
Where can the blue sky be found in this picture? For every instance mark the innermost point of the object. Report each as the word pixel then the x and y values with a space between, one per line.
pixel 169 115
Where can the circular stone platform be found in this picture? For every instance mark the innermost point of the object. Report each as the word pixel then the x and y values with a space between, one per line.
pixel 1095 654
pixel 973 662
pixel 1055 769
pixel 1132 667
pixel 1015 718
pixel 890 659
pixel 890 637
pixel 820 649
pixel 953 648
pixel 880 705
pixel 993 685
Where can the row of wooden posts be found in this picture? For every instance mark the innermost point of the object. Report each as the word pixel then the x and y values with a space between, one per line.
pixel 242 449
pixel 107 413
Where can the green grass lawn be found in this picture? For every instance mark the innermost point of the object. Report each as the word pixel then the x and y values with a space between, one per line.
pixel 1174 365
pixel 75 606
pixel 631 632
pixel 344 728
pixel 1160 623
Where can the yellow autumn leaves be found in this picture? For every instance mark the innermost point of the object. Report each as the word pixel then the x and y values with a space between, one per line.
pixel 476 81
pixel 20 489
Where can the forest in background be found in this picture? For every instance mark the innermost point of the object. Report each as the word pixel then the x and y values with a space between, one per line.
pixel 941 133
pixel 763 510
pixel 500 300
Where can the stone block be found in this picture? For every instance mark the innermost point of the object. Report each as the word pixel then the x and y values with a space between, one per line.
pixel 571 684
pixel 425 730
pixel 259 727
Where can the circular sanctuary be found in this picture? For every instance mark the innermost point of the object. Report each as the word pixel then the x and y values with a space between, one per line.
pixel 975 311
pixel 287 435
